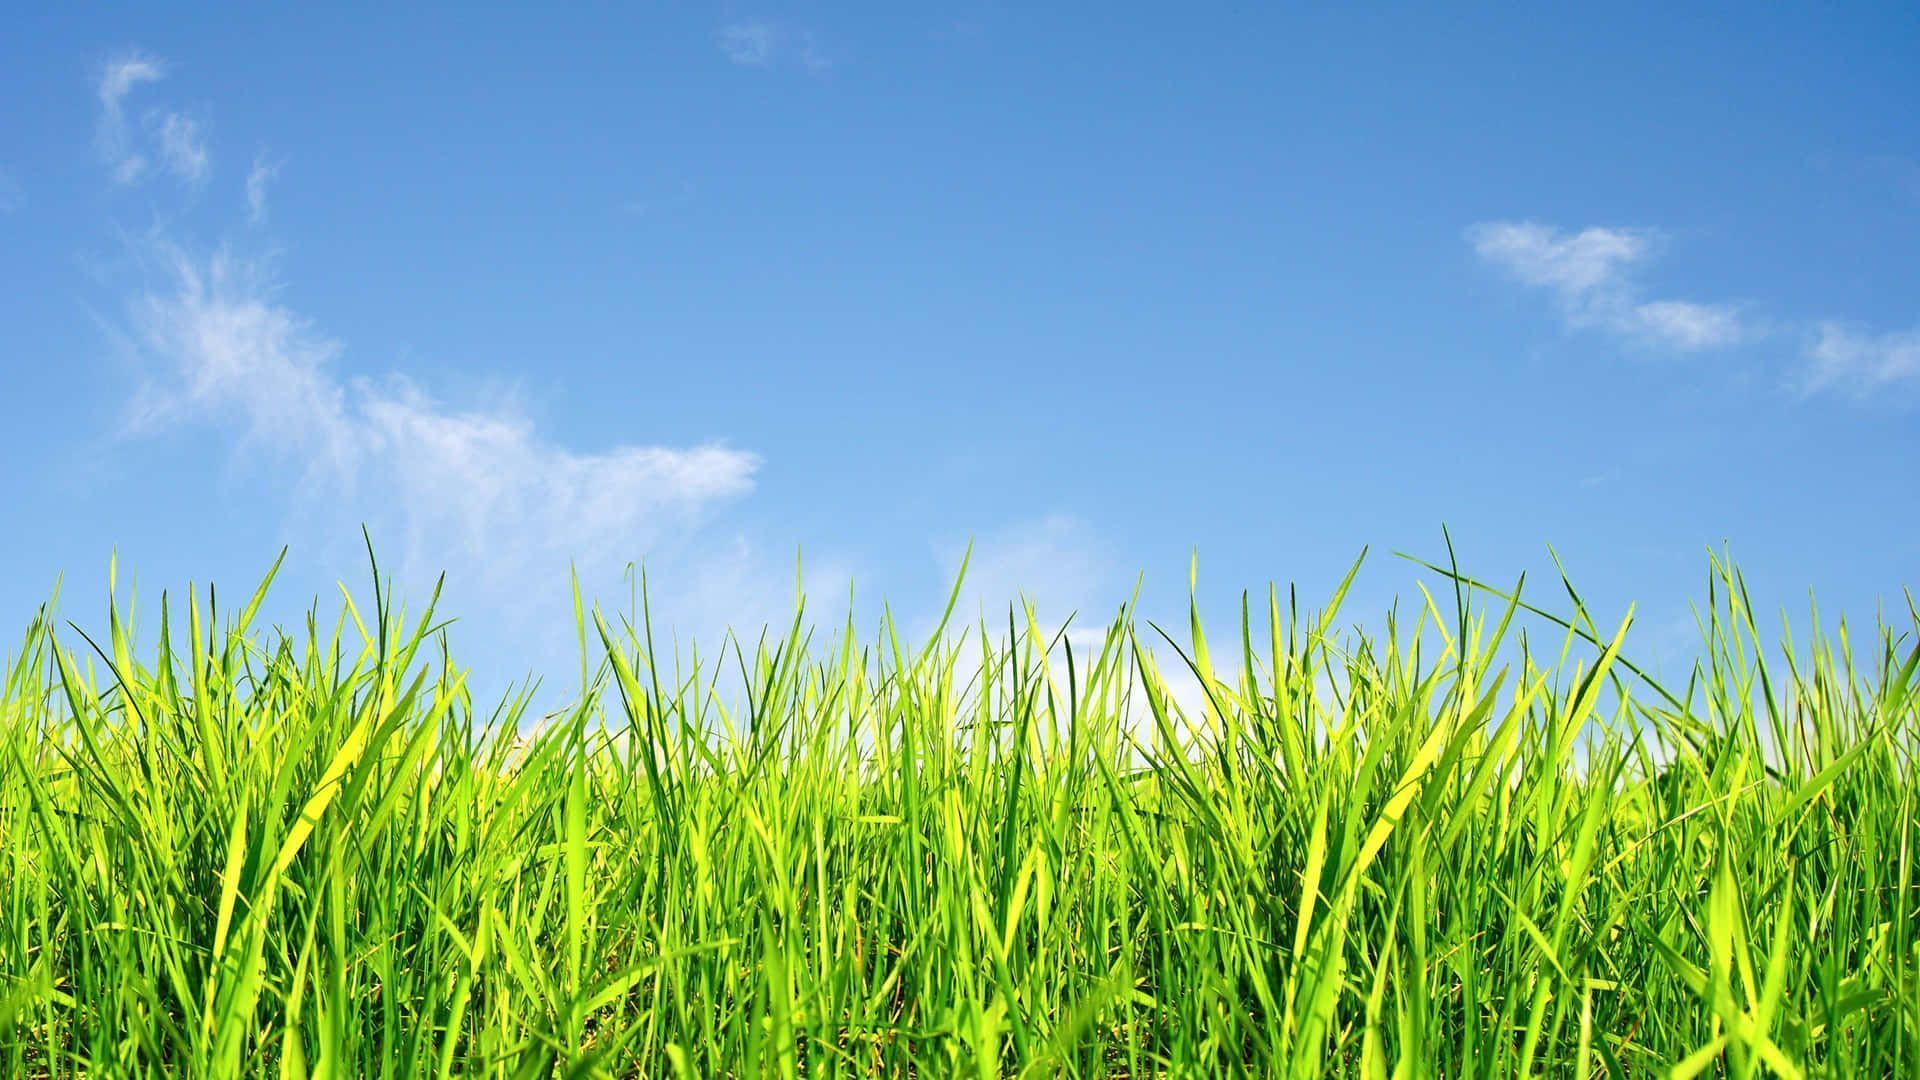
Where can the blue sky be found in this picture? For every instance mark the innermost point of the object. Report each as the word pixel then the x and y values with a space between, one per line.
pixel 1093 286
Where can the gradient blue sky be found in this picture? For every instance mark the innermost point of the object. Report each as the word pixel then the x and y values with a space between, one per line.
pixel 1095 286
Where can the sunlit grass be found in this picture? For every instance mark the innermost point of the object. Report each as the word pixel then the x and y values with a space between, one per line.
pixel 1435 850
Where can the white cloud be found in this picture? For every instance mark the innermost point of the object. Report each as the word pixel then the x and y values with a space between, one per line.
pixel 219 344
pixel 1590 274
pixel 259 176
pixel 174 137
pixel 183 151
pixel 763 43
pixel 479 491
pixel 1541 255
pixel 122 75
pixel 1858 362
pixel 488 479
pixel 117 80
pixel 1687 325
pixel 751 43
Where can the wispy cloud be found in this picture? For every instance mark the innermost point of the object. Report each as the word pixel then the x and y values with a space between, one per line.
pixel 1591 275
pixel 480 482
pixel 1687 325
pixel 176 137
pixel 118 79
pixel 262 173
pixel 765 43
pixel 183 149
pixel 751 43
pixel 478 490
pixel 1858 362
pixel 1572 263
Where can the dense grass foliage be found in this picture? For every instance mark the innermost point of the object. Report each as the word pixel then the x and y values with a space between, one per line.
pixel 1435 850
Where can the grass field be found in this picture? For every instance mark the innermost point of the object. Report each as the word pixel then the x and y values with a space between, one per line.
pixel 1433 850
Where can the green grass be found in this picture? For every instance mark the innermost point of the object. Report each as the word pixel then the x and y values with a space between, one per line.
pixel 1436 850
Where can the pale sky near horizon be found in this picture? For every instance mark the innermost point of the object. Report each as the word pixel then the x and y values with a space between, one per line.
pixel 1093 286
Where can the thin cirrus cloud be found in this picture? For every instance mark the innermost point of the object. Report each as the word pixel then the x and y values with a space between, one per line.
pixel 1591 276
pixel 174 137
pixel 478 491
pixel 1857 362
pixel 117 80
pixel 483 482
pixel 263 172
pixel 183 149
pixel 765 43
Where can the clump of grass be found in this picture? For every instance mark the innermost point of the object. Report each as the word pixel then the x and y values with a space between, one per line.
pixel 1424 852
